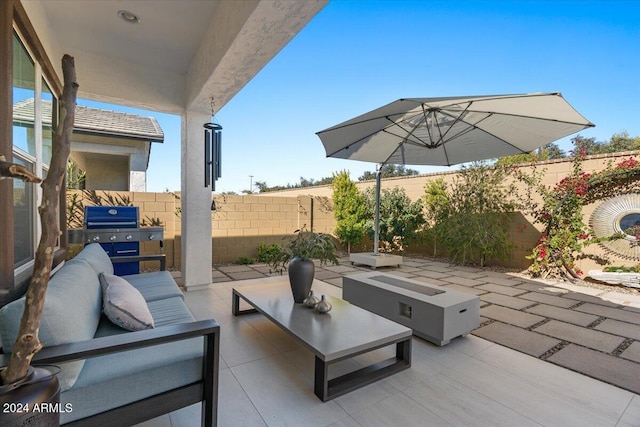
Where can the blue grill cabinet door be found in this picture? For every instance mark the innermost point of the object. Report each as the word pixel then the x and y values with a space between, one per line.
pixel 123 249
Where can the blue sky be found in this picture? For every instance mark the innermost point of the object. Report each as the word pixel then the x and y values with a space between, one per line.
pixel 357 55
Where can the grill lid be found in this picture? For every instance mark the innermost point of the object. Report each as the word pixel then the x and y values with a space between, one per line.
pixel 96 217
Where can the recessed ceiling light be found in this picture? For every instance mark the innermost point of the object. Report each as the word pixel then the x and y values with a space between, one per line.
pixel 129 17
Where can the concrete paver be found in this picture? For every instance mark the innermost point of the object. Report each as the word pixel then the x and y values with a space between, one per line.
pixel 518 339
pixel 508 315
pixel 577 296
pixel 611 312
pixel 622 329
pixel 471 274
pixel 632 352
pixel 611 369
pixel 235 268
pixel 507 301
pixel 458 280
pixel 548 299
pixel 511 304
pixel 244 275
pixel 432 274
pixel 587 337
pixel 326 274
pixel 345 269
pixel 501 289
pixel 502 280
pixel 543 289
pixel 566 315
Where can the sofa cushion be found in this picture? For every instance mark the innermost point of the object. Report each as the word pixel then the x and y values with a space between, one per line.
pixel 142 372
pixel 155 286
pixel 115 380
pixel 71 313
pixel 97 258
pixel 123 304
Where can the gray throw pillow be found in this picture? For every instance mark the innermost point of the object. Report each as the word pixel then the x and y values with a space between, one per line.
pixel 123 304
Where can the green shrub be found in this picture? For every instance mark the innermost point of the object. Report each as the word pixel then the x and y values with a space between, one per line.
pixel 268 253
pixel 621 269
pixel 400 218
pixel 470 218
pixel 243 260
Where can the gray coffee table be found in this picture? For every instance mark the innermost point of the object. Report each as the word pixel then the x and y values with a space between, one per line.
pixel 343 333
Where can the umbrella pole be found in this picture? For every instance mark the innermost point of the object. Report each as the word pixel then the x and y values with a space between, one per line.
pixel 376 226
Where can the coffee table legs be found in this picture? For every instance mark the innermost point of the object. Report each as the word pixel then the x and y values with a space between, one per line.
pixel 327 389
pixel 235 305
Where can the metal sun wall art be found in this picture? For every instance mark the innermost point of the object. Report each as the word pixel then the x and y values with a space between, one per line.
pixel 618 215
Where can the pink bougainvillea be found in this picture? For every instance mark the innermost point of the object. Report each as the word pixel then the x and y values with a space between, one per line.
pixel 565 234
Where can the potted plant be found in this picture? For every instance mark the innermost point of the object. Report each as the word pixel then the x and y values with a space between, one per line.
pixel 297 256
pixel 18 374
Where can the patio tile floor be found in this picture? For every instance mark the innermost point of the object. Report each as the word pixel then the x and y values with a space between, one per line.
pixel 512 370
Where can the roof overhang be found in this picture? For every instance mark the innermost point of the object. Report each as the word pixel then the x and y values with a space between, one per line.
pixel 178 57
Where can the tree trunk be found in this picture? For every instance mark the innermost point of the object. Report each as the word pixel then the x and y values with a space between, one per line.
pixel 27 344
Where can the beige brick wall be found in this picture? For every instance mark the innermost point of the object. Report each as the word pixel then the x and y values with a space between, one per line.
pixel 152 207
pixel 241 222
pixel 523 231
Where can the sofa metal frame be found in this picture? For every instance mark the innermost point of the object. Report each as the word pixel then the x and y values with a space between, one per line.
pixel 205 390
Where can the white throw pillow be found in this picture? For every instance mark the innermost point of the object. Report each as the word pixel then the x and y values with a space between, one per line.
pixel 123 304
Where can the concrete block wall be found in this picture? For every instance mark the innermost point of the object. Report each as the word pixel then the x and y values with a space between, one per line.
pixel 525 233
pixel 239 223
pixel 152 207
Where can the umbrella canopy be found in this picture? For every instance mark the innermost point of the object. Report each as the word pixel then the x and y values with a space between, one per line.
pixel 448 131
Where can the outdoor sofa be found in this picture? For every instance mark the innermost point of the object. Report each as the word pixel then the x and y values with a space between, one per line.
pixel 112 376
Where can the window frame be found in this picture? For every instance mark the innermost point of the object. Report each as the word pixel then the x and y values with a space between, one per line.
pixel 39 166
pixel 14 19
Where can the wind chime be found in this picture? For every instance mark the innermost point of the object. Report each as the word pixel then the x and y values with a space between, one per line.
pixel 212 152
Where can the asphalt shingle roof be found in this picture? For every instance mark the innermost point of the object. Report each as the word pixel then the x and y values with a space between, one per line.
pixel 98 121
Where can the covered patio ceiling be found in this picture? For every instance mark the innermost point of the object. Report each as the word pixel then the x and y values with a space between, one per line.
pixel 178 56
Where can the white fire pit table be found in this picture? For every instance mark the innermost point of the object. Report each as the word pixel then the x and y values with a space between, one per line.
pixel 435 313
pixel 346 331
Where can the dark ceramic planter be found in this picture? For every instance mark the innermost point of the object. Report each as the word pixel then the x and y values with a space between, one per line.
pixel 33 401
pixel 301 272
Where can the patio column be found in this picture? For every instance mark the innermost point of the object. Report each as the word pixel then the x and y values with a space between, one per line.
pixel 195 204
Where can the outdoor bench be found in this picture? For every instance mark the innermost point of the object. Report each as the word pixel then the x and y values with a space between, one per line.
pixel 109 375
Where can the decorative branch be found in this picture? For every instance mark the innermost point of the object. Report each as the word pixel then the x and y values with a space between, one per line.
pixel 14 170
pixel 27 344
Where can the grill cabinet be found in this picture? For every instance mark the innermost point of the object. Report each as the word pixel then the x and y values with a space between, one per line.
pixel 117 229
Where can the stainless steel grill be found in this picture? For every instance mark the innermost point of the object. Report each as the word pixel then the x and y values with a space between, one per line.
pixel 117 229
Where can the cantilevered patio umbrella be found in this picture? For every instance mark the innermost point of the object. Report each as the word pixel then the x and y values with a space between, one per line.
pixel 448 131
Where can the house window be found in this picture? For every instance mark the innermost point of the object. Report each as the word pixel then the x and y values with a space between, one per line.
pixel 24 218
pixel 34 117
pixel 24 92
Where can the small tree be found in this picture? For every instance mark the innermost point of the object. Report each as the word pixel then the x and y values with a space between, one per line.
pixel 27 343
pixel 348 209
pixel 474 225
pixel 437 209
pixel 400 218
